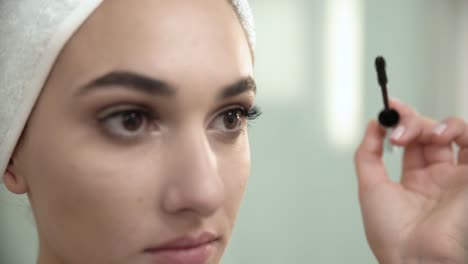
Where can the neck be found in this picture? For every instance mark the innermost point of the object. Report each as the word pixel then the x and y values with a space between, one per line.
pixel 46 255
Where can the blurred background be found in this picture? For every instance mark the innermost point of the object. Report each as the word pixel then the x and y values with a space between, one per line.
pixel 317 89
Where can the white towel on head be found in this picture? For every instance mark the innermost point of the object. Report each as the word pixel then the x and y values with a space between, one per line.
pixel 32 34
pixel 244 12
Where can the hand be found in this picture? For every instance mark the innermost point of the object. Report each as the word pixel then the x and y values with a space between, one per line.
pixel 424 217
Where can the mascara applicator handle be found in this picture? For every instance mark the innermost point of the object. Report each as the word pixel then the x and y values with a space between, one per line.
pixel 388 117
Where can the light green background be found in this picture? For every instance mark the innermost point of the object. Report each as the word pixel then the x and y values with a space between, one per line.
pixel 301 203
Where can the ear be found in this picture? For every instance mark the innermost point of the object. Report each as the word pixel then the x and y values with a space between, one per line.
pixel 13 180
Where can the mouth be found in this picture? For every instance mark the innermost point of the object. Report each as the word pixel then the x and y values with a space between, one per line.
pixel 190 249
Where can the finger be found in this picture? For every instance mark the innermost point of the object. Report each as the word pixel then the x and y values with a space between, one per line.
pixel 413 158
pixel 410 126
pixel 405 132
pixel 404 135
pixel 415 133
pixel 402 108
pixel 453 130
pixel 421 151
pixel 370 168
pixel 413 127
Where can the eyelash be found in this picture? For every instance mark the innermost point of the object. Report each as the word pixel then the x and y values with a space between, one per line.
pixel 122 110
pixel 252 114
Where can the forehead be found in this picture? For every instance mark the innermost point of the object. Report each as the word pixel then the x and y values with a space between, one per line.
pixel 168 39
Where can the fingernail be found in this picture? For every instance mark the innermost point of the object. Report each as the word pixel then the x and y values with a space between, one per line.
pixel 440 129
pixel 398 132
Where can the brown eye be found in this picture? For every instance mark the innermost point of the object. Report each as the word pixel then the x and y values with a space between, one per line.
pixel 229 122
pixel 132 121
pixel 129 123
pixel 232 119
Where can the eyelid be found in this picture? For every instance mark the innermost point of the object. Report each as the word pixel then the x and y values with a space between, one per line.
pixel 113 130
pixel 115 110
pixel 223 110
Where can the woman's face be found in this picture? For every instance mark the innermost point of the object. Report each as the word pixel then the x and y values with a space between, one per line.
pixel 139 138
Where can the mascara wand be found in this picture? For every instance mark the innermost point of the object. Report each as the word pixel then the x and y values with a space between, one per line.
pixel 388 117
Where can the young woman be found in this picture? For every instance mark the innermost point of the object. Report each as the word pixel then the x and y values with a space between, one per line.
pixel 125 123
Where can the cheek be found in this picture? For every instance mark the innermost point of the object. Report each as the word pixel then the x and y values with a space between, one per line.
pixel 234 168
pixel 85 195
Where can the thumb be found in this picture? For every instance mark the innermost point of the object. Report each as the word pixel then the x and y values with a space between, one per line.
pixel 370 168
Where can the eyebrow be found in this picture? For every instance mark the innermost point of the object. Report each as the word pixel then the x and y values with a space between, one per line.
pixel 128 80
pixel 156 87
pixel 241 86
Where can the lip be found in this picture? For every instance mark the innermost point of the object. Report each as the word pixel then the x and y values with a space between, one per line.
pixel 190 249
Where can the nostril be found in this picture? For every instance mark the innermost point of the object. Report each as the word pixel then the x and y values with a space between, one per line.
pixel 202 200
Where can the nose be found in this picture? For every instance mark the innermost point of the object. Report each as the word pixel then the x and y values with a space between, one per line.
pixel 194 184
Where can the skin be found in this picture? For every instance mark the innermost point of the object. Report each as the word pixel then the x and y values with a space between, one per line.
pixel 421 218
pixel 99 197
